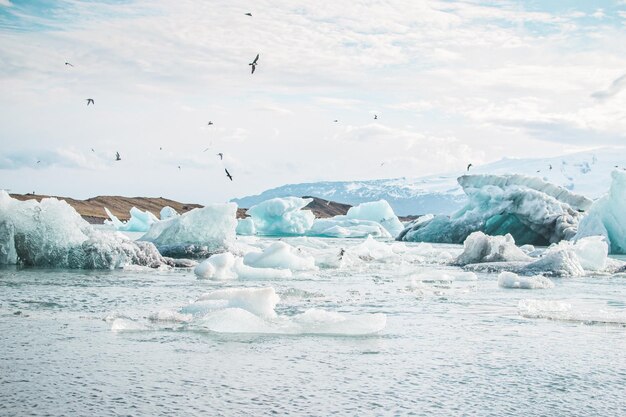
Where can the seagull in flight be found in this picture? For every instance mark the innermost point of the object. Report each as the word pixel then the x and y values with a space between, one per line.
pixel 93 150
pixel 254 63
pixel 67 63
pixel 249 14
pixel 221 155
pixel 117 156
pixel 469 166
pixel 335 121
pixel 230 177
pixel 90 100
pixel 179 167
pixel 550 166
pixel 38 161
pixel 210 123
pixel 375 117
pixel 206 149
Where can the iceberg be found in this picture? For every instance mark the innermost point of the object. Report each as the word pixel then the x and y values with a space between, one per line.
pixel 479 248
pixel 607 216
pixel 140 221
pixel 51 233
pixel 281 217
pixel 168 212
pixel 200 232
pixel 531 210
pixel 374 218
pixel 246 227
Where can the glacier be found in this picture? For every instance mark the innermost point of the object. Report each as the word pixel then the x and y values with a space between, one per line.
pixel 531 210
pixel 51 233
pixel 607 216
pixel 198 233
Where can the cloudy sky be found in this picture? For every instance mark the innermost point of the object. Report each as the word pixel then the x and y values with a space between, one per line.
pixel 452 82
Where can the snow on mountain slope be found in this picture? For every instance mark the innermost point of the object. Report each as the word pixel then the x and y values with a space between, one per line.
pixel 587 173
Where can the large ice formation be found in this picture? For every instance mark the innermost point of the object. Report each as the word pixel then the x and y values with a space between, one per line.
pixel 140 221
pixel 197 233
pixel 378 211
pixel 607 216
pixel 530 209
pixel 280 216
pixel 51 233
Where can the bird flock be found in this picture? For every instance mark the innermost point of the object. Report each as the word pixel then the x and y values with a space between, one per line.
pixel 253 66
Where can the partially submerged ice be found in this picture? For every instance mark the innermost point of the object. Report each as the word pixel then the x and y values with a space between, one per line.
pixel 279 217
pixel 51 233
pixel 226 266
pixel 530 209
pixel 140 221
pixel 607 216
pixel 252 310
pixel 197 233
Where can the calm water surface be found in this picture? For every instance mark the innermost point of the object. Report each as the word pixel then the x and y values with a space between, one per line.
pixel 450 347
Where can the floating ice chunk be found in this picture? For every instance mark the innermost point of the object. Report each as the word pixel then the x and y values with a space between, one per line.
pixel 235 320
pixel 442 276
pixel 371 250
pixel 377 211
pixel 282 256
pixel 564 311
pixel 167 212
pixel 512 280
pixel 246 227
pixel 282 216
pixel 220 266
pixel 126 325
pixel 140 221
pixel 555 263
pixel 478 248
pixel 343 227
pixel 51 233
pixel 315 321
pixel 226 266
pixel 199 232
pixel 531 210
pixel 166 315
pixel 607 216
pixel 258 301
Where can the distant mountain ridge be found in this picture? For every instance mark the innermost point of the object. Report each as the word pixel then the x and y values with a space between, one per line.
pixel 586 173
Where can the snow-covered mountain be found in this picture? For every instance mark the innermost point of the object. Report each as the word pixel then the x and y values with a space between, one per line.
pixel 586 173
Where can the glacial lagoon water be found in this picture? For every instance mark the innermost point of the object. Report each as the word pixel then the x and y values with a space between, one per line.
pixel 452 345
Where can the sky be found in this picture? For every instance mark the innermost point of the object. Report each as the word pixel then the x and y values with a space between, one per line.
pixel 451 82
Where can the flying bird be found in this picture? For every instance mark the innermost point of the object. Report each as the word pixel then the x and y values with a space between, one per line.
pixel 230 177
pixel 221 155
pixel 469 166
pixel 249 14
pixel 179 167
pixel 117 156
pixel 67 63
pixel 550 166
pixel 375 117
pixel 38 161
pixel 254 63
pixel 210 123
pixel 206 149
pixel 93 150
pixel 335 121
pixel 90 100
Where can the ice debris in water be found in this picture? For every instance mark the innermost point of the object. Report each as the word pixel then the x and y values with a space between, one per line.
pixel 168 212
pixel 197 233
pixel 252 310
pixel 512 280
pixel 280 255
pixel 280 217
pixel 51 233
pixel 531 210
pixel 564 311
pixel 140 221
pixel 378 211
pixel 607 216
pixel 225 266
